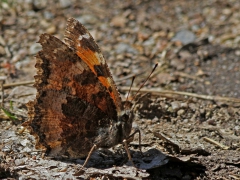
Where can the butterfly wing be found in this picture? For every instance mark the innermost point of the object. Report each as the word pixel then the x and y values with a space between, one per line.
pixel 80 40
pixel 71 105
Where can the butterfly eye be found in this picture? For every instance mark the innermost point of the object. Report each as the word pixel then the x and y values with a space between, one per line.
pixel 125 117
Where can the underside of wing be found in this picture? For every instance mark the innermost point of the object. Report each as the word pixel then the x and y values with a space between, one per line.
pixel 80 40
pixel 71 104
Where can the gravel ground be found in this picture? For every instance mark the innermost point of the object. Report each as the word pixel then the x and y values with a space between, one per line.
pixel 188 111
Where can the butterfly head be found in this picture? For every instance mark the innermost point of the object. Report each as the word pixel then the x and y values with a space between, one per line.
pixel 126 119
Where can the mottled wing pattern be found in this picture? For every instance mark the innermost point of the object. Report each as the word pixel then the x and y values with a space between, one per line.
pixel 71 104
pixel 80 40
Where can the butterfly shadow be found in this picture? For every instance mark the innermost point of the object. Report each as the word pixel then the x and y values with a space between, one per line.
pixel 106 158
pixel 147 164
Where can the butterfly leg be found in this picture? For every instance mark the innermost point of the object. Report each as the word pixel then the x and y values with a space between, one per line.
pixel 89 154
pixel 81 171
pixel 125 142
pixel 139 138
pixel 128 152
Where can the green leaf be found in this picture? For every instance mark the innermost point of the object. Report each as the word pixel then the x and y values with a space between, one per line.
pixel 9 114
pixel 11 105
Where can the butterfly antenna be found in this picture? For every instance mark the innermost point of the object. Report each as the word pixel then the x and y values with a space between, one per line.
pixel 133 78
pixel 145 81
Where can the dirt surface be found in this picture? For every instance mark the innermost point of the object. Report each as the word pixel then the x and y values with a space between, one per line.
pixel 189 118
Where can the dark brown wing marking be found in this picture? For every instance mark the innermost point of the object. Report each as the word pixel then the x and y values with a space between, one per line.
pixel 71 106
pixel 78 38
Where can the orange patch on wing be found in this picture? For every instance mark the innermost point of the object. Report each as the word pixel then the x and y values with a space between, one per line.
pixel 91 59
pixel 106 83
pixel 88 57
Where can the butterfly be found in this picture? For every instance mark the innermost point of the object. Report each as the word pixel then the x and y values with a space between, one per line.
pixel 77 107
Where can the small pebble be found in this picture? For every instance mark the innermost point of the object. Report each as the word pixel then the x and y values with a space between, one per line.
pixel 175 105
pixel 180 112
pixel 19 162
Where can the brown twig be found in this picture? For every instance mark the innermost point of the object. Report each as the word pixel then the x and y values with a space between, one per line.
pixel 185 75
pixel 2 80
pixel 18 84
pixel 2 88
pixel 237 177
pixel 167 92
pixel 215 143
